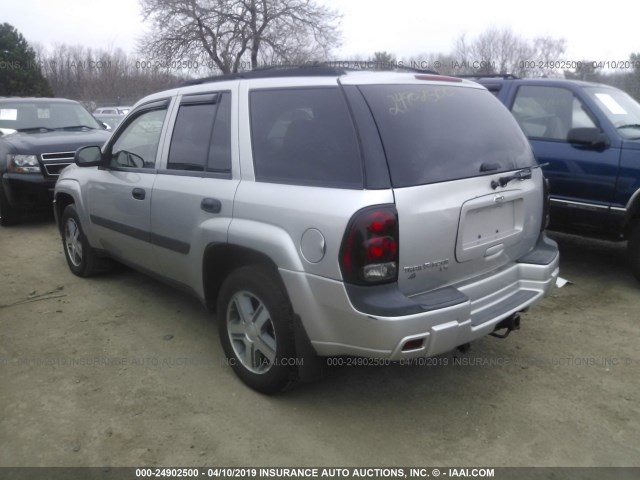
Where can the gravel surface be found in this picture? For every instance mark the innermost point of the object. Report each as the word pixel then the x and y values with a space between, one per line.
pixel 122 370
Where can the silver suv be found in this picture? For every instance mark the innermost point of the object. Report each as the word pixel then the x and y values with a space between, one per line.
pixel 321 213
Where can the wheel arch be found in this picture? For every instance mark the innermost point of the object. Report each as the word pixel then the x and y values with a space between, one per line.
pixel 632 216
pixel 62 201
pixel 220 260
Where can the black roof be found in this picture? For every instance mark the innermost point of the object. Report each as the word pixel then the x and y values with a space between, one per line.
pixel 273 72
pixel 321 69
pixel 504 76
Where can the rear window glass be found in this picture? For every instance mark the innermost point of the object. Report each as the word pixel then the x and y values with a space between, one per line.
pixel 304 137
pixel 434 133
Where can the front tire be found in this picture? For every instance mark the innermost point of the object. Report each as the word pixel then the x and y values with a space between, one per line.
pixel 80 257
pixel 256 332
pixel 633 249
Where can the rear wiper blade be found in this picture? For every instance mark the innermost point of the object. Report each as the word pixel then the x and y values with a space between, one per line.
pixel 73 127
pixel 35 129
pixel 503 181
pixel 629 125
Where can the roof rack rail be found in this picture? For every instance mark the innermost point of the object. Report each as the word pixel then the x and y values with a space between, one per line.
pixel 355 65
pixel 273 71
pixel 316 69
pixel 506 76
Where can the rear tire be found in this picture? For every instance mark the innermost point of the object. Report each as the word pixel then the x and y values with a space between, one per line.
pixel 255 320
pixel 80 257
pixel 633 249
pixel 8 215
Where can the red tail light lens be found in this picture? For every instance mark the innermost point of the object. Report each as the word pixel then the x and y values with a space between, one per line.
pixel 369 251
pixel 381 249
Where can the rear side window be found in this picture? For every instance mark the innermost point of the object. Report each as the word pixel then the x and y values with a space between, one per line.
pixel 202 135
pixel 304 137
pixel 434 133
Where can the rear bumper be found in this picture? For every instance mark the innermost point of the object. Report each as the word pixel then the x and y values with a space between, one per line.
pixel 340 324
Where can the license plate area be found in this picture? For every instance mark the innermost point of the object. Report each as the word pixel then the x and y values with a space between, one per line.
pixel 489 221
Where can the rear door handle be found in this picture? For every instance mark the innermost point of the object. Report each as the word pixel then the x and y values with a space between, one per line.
pixel 211 205
pixel 138 193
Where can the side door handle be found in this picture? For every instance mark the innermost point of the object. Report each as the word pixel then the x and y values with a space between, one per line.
pixel 211 205
pixel 138 193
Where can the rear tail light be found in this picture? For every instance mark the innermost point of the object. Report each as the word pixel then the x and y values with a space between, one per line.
pixel 545 206
pixel 369 251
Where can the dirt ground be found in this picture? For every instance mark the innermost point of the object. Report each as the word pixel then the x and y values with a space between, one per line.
pixel 121 370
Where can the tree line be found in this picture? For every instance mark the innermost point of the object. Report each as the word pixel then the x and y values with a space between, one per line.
pixel 499 51
pixel 93 76
pixel 195 38
pixel 102 77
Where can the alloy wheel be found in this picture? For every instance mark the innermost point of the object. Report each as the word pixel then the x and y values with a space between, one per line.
pixel 251 332
pixel 73 242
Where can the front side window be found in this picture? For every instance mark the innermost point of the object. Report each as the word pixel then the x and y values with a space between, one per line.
pixel 137 145
pixel 622 110
pixel 304 136
pixel 548 113
pixel 202 136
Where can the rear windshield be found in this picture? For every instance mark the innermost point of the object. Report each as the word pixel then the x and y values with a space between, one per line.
pixel 434 133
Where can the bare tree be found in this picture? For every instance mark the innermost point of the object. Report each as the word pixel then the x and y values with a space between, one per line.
pixel 231 35
pixel 547 53
pixel 440 62
pixel 382 61
pixel 101 77
pixel 501 51
pixel 586 70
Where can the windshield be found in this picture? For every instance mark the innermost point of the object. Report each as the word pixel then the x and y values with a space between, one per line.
pixel 433 133
pixel 42 115
pixel 622 110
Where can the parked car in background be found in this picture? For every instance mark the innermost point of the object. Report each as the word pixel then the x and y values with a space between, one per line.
pixel 587 137
pixel 40 138
pixel 111 116
pixel 321 213
pixel 110 121
pixel 112 110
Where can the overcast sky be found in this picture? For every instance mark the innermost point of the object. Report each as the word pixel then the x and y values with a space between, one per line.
pixel 601 32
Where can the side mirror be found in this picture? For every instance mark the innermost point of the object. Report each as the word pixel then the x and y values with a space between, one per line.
pixel 90 156
pixel 128 159
pixel 591 138
pixel 106 126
